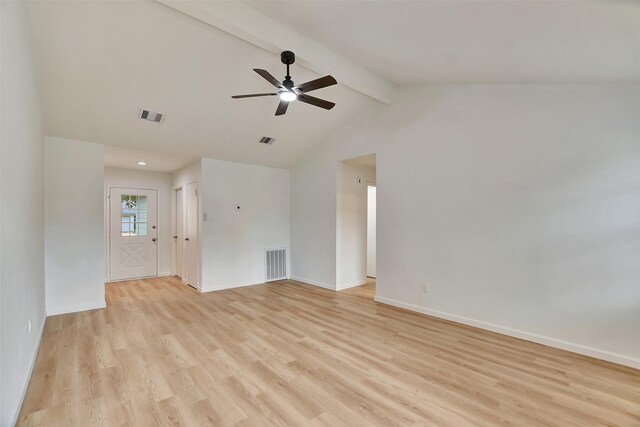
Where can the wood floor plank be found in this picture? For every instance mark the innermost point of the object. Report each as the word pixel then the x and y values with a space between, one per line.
pixel 161 354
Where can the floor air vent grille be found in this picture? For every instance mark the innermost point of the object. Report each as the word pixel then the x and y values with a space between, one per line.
pixel 276 264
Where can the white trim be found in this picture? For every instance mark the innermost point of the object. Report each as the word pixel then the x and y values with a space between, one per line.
pixel 199 213
pixel 230 286
pixel 352 285
pixel 313 283
pixel 31 366
pixel 165 274
pixel 129 279
pixel 527 336
pixel 74 309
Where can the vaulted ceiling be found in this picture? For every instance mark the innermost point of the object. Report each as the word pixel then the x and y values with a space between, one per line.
pixel 477 41
pixel 102 61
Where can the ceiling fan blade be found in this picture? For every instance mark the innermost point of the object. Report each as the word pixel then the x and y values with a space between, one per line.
pixel 253 95
pixel 268 77
pixel 282 108
pixel 317 84
pixel 316 101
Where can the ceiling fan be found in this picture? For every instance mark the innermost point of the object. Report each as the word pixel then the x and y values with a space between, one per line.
pixel 288 92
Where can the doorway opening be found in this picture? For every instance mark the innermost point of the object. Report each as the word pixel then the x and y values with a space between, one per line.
pixel 356 226
pixel 371 231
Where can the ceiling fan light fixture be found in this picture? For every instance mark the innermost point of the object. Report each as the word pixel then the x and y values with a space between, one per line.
pixel 288 92
pixel 288 96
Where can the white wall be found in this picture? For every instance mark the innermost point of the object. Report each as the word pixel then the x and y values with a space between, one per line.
pixel 233 242
pixel 22 292
pixel 313 219
pixel 371 231
pixel 74 226
pixel 128 178
pixel 518 204
pixel 351 223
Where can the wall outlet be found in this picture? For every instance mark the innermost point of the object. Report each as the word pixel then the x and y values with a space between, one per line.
pixel 205 217
pixel 29 325
pixel 425 288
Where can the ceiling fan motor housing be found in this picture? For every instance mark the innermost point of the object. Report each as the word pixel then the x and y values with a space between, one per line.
pixel 287 57
pixel 287 83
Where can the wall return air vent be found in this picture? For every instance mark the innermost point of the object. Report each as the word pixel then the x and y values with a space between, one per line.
pixel 276 264
pixel 152 116
pixel 267 140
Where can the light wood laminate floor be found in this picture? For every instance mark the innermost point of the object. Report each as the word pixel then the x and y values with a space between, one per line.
pixel 293 354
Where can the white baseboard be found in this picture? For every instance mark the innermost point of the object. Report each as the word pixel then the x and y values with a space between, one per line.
pixel 165 274
pixel 540 339
pixel 314 283
pixel 76 308
pixel 352 285
pixel 31 366
pixel 228 286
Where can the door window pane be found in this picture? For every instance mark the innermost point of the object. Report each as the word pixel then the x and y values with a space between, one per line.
pixel 133 215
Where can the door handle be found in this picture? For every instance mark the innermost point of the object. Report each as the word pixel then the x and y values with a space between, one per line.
pixel 186 239
pixel 154 239
pixel 175 237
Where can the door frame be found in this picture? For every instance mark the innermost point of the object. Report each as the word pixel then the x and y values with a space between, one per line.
pixel 371 184
pixel 174 206
pixel 198 273
pixel 108 208
pixel 174 230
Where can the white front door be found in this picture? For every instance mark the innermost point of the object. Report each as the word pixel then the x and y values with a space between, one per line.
pixel 133 245
pixel 190 263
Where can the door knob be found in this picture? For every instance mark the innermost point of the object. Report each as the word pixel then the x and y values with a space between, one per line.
pixel 154 239
pixel 186 239
pixel 175 237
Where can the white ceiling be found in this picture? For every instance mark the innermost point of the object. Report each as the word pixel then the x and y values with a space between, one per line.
pixel 475 41
pixel 101 62
pixel 127 158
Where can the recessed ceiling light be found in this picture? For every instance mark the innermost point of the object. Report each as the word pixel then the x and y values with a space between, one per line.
pixel 141 163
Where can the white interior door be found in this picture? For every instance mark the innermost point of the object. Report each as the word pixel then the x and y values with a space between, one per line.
pixel 191 237
pixel 371 231
pixel 179 230
pixel 133 233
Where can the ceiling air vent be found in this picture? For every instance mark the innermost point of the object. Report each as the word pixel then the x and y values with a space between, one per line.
pixel 151 116
pixel 266 140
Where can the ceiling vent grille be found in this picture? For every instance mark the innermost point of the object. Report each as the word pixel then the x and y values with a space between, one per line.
pixel 151 116
pixel 266 140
